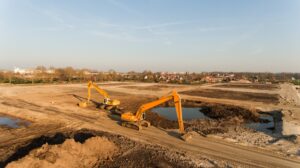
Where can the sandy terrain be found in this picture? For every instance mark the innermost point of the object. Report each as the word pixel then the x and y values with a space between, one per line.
pixel 250 86
pixel 225 94
pixel 52 109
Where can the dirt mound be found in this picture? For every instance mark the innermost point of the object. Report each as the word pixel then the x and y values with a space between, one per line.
pixel 150 156
pixel 69 154
pixel 201 126
pixel 228 111
pixel 206 127
pixel 159 121
pixel 222 111
pixel 90 148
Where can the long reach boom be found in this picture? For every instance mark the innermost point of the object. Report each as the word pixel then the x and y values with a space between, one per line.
pixel 137 120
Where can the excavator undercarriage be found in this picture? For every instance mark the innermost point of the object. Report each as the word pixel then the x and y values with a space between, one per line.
pixel 136 125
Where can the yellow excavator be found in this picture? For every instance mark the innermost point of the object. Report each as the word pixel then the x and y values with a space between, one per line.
pixel 136 121
pixel 107 102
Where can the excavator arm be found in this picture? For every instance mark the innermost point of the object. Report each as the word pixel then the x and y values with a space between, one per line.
pixel 98 89
pixel 150 105
pixel 138 116
pixel 107 102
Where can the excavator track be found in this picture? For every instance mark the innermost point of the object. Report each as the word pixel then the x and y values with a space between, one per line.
pixel 109 107
pixel 132 125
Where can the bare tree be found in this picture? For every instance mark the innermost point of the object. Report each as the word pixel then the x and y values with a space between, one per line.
pixel 69 73
pixel 41 72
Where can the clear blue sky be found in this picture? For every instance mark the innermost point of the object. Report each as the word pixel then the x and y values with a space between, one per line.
pixel 157 35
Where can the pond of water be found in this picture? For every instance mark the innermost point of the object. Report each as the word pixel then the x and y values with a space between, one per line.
pixel 189 113
pixel 12 122
pixel 262 127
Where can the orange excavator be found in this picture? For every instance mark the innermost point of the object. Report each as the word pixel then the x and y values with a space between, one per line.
pixel 107 102
pixel 137 121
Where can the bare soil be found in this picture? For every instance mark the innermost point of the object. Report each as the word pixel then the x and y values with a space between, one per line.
pixel 54 116
pixel 222 111
pixel 250 86
pixel 88 148
pixel 222 94
pixel 160 121
pixel 152 87
pixel 116 84
pixel 219 111
pixel 128 102
pixel 232 129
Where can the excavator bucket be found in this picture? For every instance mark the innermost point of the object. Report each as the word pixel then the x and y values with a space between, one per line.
pixel 188 136
pixel 83 104
pixel 113 102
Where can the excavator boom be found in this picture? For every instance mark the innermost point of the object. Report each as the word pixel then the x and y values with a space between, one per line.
pixel 98 89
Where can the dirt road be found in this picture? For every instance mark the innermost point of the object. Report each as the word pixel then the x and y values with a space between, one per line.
pixel 52 108
pixel 289 94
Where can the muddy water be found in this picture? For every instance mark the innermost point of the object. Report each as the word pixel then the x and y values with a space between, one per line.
pixel 188 113
pixel 262 126
pixel 12 122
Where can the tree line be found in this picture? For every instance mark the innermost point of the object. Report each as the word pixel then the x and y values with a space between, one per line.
pixel 42 74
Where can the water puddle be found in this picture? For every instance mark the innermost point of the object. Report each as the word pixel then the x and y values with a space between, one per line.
pixel 267 126
pixel 12 122
pixel 188 113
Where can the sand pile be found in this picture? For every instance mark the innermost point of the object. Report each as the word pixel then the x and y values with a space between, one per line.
pixel 69 154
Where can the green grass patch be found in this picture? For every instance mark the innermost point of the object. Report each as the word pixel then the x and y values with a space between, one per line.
pixel 296 82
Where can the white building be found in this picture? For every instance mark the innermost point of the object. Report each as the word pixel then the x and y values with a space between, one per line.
pixel 23 71
pixel 19 70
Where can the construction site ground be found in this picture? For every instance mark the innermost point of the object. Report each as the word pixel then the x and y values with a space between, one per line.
pixel 61 133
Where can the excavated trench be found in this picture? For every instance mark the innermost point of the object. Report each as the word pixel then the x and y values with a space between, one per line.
pixel 89 148
pixel 211 118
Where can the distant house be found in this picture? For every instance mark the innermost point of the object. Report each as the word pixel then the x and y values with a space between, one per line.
pixel 50 71
pixel 211 79
pixel 23 71
pixel 91 73
pixel 19 70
